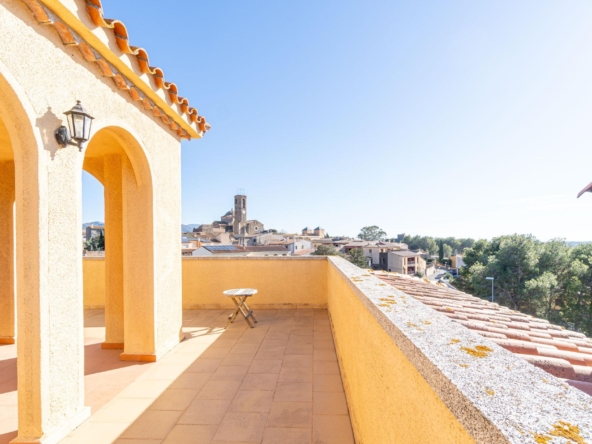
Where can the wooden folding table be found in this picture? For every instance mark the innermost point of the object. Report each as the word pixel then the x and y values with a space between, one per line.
pixel 239 297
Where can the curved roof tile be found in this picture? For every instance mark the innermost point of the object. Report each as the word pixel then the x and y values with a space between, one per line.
pixel 563 353
pixel 95 11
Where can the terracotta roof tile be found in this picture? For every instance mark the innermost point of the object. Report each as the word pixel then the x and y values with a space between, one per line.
pixel 95 12
pixel 563 353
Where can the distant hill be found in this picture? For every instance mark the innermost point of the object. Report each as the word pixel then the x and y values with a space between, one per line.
pixel 96 222
pixel 576 243
pixel 189 227
pixel 184 228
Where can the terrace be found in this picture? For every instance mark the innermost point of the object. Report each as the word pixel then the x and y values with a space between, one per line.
pixel 338 356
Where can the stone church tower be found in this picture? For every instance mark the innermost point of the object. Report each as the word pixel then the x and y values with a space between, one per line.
pixel 240 213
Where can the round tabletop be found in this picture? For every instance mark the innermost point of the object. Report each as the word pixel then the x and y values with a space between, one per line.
pixel 240 292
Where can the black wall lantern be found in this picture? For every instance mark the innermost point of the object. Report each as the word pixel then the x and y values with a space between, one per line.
pixel 79 122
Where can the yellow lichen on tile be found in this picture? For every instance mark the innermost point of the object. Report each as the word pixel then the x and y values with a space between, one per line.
pixel 427 322
pixel 490 392
pixel 464 365
pixel 542 439
pixel 479 351
pixel 566 430
pixel 454 341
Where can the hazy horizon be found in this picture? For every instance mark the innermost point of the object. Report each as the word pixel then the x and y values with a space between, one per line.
pixel 438 118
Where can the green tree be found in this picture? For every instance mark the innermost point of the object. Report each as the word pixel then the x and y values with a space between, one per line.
pixel 447 250
pixel 356 257
pixel 371 233
pixel 325 250
pixel 96 243
pixel 441 250
pixel 577 297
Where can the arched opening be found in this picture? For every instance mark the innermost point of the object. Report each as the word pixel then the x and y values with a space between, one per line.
pixel 8 363
pixel 117 160
pixel 7 239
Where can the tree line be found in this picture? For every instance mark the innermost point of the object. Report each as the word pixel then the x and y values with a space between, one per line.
pixel 550 280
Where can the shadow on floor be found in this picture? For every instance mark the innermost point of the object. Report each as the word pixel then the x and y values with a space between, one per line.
pixel 276 383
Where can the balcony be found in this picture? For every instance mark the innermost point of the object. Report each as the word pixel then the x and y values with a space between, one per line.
pixel 337 356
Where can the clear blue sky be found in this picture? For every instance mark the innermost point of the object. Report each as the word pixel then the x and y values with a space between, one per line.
pixel 456 118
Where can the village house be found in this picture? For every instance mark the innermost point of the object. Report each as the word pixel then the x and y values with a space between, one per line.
pixel 404 262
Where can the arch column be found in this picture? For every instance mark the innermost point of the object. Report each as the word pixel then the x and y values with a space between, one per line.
pixel 114 271
pixel 7 277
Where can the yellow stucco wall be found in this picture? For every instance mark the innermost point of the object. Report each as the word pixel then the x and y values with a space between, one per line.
pixel 94 282
pixel 389 400
pixel 289 282
pixel 281 283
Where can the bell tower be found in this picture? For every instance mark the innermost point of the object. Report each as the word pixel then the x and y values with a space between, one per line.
pixel 240 212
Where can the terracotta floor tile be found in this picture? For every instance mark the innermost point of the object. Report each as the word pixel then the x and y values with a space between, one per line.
pixel 241 426
pixel 323 336
pixel 324 345
pixel 219 390
pixel 295 374
pixel 324 355
pixel 273 344
pixel 249 339
pixel 252 401
pixel 238 359
pixel 301 331
pixel 270 354
pixel 297 361
pixel 245 348
pixel 152 425
pixel 329 403
pixel 277 335
pixel 122 410
pixel 195 381
pixel 96 433
pixel 204 365
pixel 234 442
pixel 164 371
pixel 191 434
pixel 295 339
pixel 290 414
pixel 224 343
pixel 287 436
pixel 332 430
pixel 174 399
pixel 205 411
pixel 135 441
pixel 299 349
pixel 293 391
pixel 215 353
pixel 259 382
pixel 325 368
pixel 271 366
pixel 230 373
pixel 327 383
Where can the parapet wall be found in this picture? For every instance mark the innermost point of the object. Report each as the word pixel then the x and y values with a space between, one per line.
pixel 412 375
pixel 288 282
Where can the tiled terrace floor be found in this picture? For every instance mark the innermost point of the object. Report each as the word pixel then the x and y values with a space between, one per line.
pixel 105 374
pixel 276 383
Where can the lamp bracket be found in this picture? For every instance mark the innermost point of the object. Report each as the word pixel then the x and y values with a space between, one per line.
pixel 63 138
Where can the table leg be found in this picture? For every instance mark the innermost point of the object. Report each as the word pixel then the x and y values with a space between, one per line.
pixel 240 303
pixel 232 317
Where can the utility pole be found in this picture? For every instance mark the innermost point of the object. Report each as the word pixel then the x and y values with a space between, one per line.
pixel 491 279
